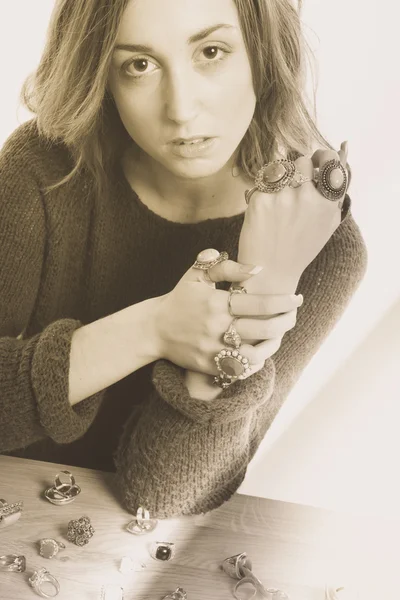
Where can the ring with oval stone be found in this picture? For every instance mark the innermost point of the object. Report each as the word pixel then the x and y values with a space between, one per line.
pixel 207 259
pixel 232 365
pixel 331 180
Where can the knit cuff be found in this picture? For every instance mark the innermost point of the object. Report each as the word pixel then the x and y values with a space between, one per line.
pixel 233 403
pixel 346 208
pixel 50 382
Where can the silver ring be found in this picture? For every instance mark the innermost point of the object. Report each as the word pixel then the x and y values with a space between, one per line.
pixel 62 488
pixel 48 548
pixel 234 289
pixel 13 562
pixel 323 178
pixel 163 551
pixel 39 578
pixel 143 523
pixel 208 258
pixel 232 337
pixel 62 493
pixel 233 565
pixel 9 513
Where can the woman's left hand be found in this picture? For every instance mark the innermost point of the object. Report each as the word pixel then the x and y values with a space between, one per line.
pixel 285 230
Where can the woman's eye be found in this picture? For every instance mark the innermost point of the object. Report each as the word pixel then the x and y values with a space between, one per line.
pixel 212 52
pixel 140 66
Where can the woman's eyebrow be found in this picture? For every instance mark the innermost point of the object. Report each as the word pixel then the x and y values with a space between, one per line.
pixel 197 37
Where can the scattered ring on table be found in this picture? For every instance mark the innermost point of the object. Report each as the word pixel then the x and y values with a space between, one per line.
pixel 48 548
pixel 162 551
pixel 63 493
pixel 233 565
pixel 41 577
pixel 80 531
pixel 143 523
pixel 13 562
pixel 244 581
pixel 9 513
pixel 178 594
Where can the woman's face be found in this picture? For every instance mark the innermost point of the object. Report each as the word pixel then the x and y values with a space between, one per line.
pixel 186 74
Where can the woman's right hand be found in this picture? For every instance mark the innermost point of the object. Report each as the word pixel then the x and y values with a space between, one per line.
pixel 192 319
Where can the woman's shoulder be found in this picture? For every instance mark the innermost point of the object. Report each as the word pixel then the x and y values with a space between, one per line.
pixel 26 154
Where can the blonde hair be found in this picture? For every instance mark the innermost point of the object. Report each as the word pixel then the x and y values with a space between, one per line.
pixel 69 96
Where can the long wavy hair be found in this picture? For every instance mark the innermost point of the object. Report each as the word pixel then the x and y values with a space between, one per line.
pixel 69 97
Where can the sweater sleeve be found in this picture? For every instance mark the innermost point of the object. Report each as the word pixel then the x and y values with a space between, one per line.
pixel 186 456
pixel 34 372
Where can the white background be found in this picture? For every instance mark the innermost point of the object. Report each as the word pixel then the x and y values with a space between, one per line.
pixel 335 443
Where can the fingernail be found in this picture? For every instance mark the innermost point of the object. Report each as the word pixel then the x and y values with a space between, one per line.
pixel 299 298
pixel 345 146
pixel 251 269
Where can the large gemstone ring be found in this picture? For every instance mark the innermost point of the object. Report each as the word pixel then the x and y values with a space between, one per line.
pixel 232 366
pixel 331 180
pixel 274 176
pixel 208 258
pixel 13 562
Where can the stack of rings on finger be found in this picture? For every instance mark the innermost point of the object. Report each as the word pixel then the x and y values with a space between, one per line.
pixel 230 362
pixel 331 180
pixel 207 259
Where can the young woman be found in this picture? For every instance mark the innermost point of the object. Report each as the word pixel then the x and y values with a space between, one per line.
pixel 152 120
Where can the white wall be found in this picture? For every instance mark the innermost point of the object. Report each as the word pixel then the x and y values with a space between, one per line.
pixel 358 99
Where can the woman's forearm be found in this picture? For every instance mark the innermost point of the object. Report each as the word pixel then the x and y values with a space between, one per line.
pixel 109 349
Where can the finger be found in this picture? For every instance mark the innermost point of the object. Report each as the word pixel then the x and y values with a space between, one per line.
pixel 227 270
pixel 320 157
pixel 232 271
pixel 259 353
pixel 258 305
pixel 264 329
pixel 305 166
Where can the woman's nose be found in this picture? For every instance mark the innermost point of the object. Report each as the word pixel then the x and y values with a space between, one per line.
pixel 181 97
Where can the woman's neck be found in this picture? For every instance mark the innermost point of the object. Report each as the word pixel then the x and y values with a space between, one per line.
pixel 187 201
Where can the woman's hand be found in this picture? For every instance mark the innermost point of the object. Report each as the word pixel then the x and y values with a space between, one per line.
pixel 285 231
pixel 194 316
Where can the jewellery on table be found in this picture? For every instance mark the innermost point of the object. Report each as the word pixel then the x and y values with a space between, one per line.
pixel 240 567
pixel 80 531
pixel 274 176
pixel 162 551
pixel 231 336
pixel 233 565
pixel 142 524
pixel 9 513
pixel 332 180
pixel 63 493
pixel 234 289
pixel 207 259
pixel 232 366
pixel 49 547
pixel 13 562
pixel 39 578
pixel 178 594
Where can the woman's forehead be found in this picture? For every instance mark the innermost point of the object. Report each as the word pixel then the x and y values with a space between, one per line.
pixel 152 19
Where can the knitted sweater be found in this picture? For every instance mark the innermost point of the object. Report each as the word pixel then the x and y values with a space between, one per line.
pixel 69 258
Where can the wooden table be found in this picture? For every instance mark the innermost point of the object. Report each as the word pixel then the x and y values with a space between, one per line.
pixel 292 547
